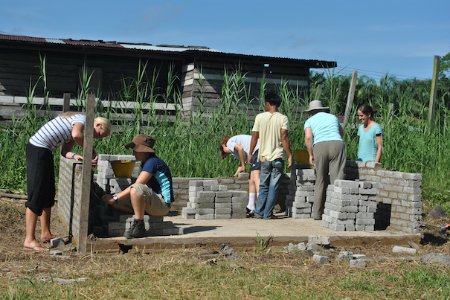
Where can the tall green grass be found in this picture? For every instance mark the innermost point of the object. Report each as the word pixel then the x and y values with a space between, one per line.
pixel 189 144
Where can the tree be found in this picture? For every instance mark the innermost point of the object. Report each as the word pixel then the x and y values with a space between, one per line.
pixel 445 65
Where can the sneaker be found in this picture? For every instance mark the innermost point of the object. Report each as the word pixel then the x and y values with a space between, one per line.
pixel 256 216
pixel 137 230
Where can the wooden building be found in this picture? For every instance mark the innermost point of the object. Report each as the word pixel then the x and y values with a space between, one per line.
pixel 198 71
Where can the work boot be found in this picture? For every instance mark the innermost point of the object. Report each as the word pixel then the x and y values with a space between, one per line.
pixel 137 230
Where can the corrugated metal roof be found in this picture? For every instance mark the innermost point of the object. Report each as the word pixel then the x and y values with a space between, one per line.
pixel 196 51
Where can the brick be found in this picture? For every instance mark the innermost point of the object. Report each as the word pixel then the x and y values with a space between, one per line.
pixel 204 217
pixel 222 216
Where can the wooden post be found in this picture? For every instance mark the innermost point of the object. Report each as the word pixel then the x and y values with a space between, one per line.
pixel 350 97
pixel 432 105
pixel 66 102
pixel 86 175
pixel 318 92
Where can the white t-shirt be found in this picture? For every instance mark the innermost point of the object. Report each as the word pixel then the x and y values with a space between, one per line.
pixel 269 126
pixel 243 140
pixel 56 132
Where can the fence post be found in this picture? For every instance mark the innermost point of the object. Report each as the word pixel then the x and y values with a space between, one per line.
pixel 86 176
pixel 351 95
pixel 431 107
pixel 66 102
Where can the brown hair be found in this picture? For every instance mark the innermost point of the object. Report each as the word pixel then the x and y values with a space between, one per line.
pixel 223 142
pixel 367 110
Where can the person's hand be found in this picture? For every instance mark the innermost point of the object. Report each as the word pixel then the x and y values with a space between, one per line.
pixel 290 161
pixel 94 160
pixel 240 169
pixel 249 158
pixel 108 199
pixel 311 160
pixel 78 157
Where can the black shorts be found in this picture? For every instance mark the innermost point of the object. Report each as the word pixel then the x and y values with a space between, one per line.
pixel 255 164
pixel 40 179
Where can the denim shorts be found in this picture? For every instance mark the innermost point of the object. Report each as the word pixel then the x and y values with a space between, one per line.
pixel 255 164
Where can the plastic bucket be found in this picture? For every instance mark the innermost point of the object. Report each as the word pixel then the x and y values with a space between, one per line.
pixel 123 168
pixel 301 156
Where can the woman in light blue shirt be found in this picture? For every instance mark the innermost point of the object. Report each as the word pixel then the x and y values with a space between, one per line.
pixel 370 135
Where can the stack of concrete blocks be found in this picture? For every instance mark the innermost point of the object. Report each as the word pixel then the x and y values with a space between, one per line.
pixel 301 193
pixel 350 206
pixel 105 177
pixel 399 195
pixel 367 206
pixel 210 200
pixel 181 187
pixel 154 226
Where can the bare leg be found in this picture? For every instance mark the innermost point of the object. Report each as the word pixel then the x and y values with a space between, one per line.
pixel 30 227
pixel 46 234
pixel 138 204
pixel 255 179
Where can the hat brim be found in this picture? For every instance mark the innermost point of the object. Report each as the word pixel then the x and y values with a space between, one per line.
pixel 139 148
pixel 325 108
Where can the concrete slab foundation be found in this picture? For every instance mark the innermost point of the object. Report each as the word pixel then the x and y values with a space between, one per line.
pixel 245 232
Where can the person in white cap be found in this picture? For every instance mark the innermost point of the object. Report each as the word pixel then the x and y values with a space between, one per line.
pixel 326 149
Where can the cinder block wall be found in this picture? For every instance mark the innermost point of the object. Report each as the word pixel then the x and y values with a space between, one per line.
pixel 399 194
pixel 70 173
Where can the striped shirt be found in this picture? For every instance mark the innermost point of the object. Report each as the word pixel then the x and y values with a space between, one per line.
pixel 56 132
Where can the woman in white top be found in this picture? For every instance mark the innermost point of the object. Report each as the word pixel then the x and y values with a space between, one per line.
pixel 239 146
pixel 66 130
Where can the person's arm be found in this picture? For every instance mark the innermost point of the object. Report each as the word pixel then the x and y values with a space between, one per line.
pixel 341 131
pixel 253 142
pixel 241 154
pixel 379 139
pixel 143 178
pixel 309 144
pixel 77 133
pixel 66 151
pixel 286 146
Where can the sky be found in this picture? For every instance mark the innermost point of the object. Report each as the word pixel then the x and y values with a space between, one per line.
pixel 396 37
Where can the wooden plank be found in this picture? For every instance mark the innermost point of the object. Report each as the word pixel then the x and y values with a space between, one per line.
pixel 66 102
pixel 74 102
pixel 86 175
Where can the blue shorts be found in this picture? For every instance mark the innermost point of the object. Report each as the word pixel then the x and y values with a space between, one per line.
pixel 255 164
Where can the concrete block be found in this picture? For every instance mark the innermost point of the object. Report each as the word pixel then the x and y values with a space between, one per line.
pixel 223 210
pixel 346 184
pixel 204 216
pixel 365 222
pixel 222 187
pixel 196 183
pixel 320 259
pixel 220 216
pixel 222 205
pixel 223 194
pixel 400 249
pixel 319 240
pixel 243 176
pixel 205 211
pixel 358 263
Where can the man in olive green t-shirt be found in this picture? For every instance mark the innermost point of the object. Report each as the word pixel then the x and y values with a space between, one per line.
pixel 271 129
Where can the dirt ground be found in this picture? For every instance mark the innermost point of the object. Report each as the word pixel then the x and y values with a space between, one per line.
pixel 12 232
pixel 17 263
